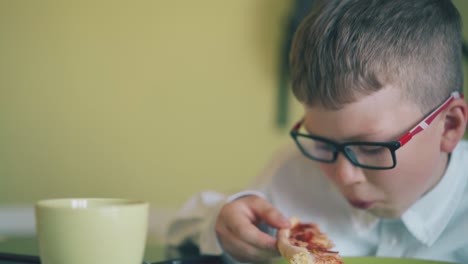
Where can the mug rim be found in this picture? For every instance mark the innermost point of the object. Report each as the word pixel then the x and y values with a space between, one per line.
pixel 82 203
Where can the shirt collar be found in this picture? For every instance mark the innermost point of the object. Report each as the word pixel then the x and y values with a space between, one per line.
pixel 424 220
pixel 429 216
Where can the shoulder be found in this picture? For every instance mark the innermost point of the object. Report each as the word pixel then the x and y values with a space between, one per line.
pixel 459 167
pixel 290 165
pixel 461 150
pixel 283 160
pixel 458 164
pixel 460 158
pixel 297 186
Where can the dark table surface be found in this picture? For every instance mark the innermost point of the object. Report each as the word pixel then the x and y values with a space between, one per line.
pixel 24 249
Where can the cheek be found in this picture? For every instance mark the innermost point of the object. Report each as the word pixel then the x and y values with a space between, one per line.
pixel 420 160
pixel 328 169
pixel 400 183
pixel 415 173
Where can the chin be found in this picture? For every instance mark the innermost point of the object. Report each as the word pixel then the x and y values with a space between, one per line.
pixel 385 212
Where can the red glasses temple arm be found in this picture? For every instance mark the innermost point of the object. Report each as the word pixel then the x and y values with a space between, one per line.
pixel 428 120
pixel 297 125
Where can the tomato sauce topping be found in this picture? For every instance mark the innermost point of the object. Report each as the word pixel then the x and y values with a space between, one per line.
pixel 310 237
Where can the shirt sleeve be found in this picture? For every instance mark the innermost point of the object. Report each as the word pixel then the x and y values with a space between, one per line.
pixel 462 254
pixel 195 222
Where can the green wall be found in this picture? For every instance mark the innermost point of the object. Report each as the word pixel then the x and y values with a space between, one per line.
pixel 147 99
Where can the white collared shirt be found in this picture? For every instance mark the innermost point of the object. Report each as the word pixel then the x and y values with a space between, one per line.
pixel 435 227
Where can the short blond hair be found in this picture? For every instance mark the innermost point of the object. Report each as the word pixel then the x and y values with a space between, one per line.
pixel 350 48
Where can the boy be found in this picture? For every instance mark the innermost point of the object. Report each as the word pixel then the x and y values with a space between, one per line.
pixel 367 72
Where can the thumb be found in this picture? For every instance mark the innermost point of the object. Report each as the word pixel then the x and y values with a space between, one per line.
pixel 270 215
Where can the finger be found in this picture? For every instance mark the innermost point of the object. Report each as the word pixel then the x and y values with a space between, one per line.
pixel 246 231
pixel 242 250
pixel 269 214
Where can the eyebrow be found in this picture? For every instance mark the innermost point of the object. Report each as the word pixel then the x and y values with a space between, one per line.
pixel 359 137
pixel 355 138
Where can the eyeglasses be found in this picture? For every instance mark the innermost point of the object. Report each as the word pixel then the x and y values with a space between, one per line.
pixel 368 155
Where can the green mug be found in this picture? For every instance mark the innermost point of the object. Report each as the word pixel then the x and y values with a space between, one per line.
pixel 91 230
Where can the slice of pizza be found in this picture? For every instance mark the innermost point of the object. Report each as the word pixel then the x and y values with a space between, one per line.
pixel 304 243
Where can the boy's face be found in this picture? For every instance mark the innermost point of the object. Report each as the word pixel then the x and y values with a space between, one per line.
pixel 381 116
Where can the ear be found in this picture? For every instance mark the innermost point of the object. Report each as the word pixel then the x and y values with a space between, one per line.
pixel 455 120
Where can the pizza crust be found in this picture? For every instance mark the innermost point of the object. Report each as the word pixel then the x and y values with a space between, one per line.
pixel 294 254
pixel 301 255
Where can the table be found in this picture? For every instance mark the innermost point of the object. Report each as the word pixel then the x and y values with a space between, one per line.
pixel 158 254
pixel 154 253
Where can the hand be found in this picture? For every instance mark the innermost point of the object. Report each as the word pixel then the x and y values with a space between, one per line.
pixel 237 231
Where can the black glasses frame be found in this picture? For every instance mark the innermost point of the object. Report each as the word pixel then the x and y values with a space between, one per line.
pixel 392 146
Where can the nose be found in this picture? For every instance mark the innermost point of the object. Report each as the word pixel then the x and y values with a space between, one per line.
pixel 346 173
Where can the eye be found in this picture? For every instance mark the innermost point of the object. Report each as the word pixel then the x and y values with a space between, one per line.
pixel 324 146
pixel 372 150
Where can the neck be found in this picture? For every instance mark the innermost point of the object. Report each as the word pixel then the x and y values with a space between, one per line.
pixel 440 170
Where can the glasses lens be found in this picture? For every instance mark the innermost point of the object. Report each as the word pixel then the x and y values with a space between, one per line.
pixel 316 149
pixel 375 156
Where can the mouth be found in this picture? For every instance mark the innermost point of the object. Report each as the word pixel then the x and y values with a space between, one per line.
pixel 361 204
